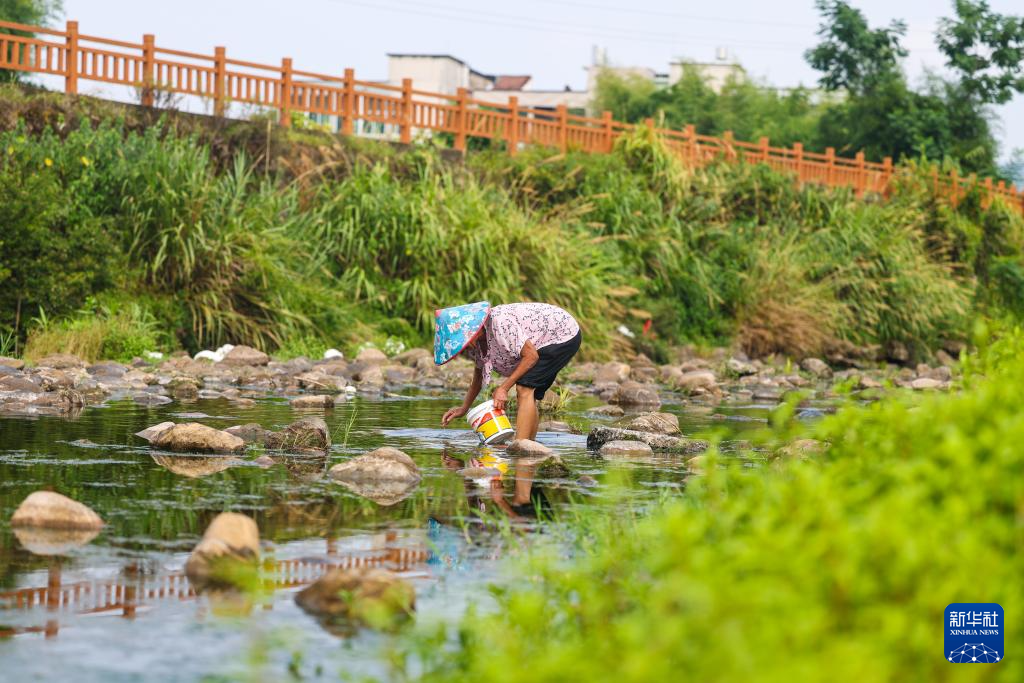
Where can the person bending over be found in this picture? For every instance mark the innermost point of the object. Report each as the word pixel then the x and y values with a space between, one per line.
pixel 527 344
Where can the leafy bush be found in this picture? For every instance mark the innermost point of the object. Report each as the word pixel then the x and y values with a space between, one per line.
pixel 99 331
pixel 837 568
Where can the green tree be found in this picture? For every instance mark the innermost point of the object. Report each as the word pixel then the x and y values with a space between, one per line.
pixel 31 12
pixel 986 49
pixel 852 56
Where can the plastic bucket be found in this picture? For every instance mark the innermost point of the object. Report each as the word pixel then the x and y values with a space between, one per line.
pixel 490 424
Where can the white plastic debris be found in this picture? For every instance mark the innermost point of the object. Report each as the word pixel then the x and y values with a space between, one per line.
pixel 626 332
pixel 153 355
pixel 350 389
pixel 333 353
pixel 216 356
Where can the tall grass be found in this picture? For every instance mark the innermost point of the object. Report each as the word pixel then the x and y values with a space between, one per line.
pixel 365 243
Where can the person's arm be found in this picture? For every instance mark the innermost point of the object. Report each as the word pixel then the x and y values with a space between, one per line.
pixel 527 359
pixel 471 394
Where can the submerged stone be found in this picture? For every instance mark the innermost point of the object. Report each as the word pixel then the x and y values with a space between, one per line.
pixel 614 449
pixel 659 423
pixel 601 434
pixel 307 434
pixel 527 447
pixel 382 464
pixel 367 597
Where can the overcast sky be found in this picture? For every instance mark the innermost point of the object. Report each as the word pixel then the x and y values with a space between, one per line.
pixel 548 39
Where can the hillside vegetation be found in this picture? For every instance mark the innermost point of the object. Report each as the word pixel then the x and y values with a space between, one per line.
pixel 124 233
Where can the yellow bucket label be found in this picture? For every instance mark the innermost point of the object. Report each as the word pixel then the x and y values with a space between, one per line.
pixel 494 425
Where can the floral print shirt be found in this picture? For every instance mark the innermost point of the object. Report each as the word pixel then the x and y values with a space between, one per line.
pixel 510 326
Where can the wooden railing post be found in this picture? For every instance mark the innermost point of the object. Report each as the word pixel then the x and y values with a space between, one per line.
pixel 730 150
pixel 148 69
pixel 285 93
pixel 691 139
pixel 862 173
pixel 609 131
pixel 71 59
pixel 348 104
pixel 405 127
pixel 987 201
pixel 220 68
pixel 798 160
pixel 563 127
pixel 830 160
pixel 887 175
pixel 954 181
pixel 513 126
pixel 763 144
pixel 462 122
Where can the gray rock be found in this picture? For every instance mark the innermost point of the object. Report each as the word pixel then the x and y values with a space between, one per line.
pixel 944 358
pixel 146 398
pixel 249 433
pixel 307 434
pixel 740 367
pixel 313 401
pixel 245 355
pixel 586 480
pixel 399 374
pixel 60 361
pixel 695 379
pixel 926 383
pixel 19 383
pixel 617 449
pixel 659 423
pixel 371 356
pixel 612 373
pixel 527 447
pixel 555 426
pixel 416 358
pixel 636 394
pixel 600 435
pixel 816 367
pixel 609 410
pixel 199 438
pixel 54 511
pixel 9 362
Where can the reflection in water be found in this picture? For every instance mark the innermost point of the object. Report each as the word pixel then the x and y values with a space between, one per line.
pixel 43 541
pixel 195 466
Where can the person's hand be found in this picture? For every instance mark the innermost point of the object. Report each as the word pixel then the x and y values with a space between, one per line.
pixel 452 414
pixel 500 397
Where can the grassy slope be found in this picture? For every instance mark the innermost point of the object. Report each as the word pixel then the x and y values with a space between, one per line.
pixel 129 231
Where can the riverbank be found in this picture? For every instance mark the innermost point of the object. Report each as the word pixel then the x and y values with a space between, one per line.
pixel 136 234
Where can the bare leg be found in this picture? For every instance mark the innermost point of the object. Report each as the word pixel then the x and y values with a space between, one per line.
pixel 526 413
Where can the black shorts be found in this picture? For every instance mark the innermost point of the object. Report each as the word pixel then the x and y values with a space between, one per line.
pixel 553 358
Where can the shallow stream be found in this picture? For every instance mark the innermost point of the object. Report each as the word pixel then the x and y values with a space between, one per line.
pixel 119 608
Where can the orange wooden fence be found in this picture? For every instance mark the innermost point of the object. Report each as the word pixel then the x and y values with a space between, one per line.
pixel 223 81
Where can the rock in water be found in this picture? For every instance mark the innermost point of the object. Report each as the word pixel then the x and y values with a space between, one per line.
pixel 54 511
pixel 383 464
pixel 363 596
pixel 150 433
pixel 307 434
pixel 600 435
pixel 618 449
pixel 527 447
pixel 801 449
pixel 245 355
pixel 636 394
pixel 612 373
pixel 230 540
pixel 249 433
pixel 312 401
pixel 695 379
pixel 659 423
pixel 371 356
pixel 197 438
pixel 816 367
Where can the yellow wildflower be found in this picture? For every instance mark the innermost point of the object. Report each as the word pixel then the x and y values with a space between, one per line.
pixel 48 161
pixel 85 161
pixel 10 150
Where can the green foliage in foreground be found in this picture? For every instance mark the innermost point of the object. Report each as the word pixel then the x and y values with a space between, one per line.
pixel 361 243
pixel 834 569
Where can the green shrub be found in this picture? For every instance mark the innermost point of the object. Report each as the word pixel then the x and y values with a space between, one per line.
pixel 111 330
pixel 837 568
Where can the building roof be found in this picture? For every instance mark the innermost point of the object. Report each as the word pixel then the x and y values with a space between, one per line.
pixel 503 82
pixel 427 55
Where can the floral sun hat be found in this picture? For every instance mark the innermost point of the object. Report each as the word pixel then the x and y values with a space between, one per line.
pixel 456 327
